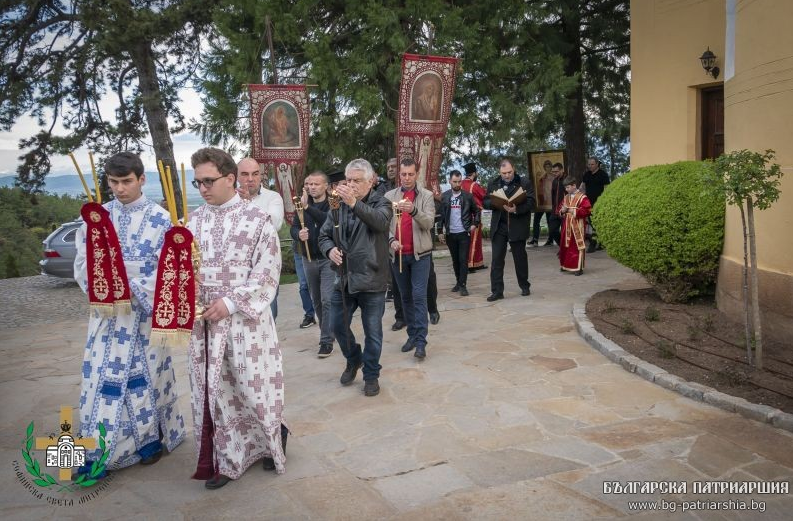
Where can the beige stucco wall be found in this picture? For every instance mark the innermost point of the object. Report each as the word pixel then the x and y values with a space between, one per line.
pixel 667 39
pixel 758 115
pixel 667 36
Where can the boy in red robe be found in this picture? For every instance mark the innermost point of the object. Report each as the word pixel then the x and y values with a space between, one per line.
pixel 574 209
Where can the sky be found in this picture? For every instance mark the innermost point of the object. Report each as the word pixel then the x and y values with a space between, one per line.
pixel 184 144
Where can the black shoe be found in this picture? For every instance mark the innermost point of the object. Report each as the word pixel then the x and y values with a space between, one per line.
pixel 435 317
pixel 407 346
pixel 325 350
pixel 308 321
pixel 350 372
pixel 151 460
pixel 463 291
pixel 456 288
pixel 533 243
pixel 549 242
pixel 371 388
pixel 579 273
pixel 421 352
pixel 267 461
pixel 525 292
pixel 593 245
pixel 399 324
pixel 495 296
pixel 217 481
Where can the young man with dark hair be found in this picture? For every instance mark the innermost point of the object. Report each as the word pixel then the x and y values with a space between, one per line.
pixel 234 357
pixel 557 194
pixel 410 239
pixel 459 219
pixel 128 383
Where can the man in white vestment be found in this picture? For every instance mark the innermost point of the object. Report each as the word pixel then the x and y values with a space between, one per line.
pixel 235 358
pixel 129 385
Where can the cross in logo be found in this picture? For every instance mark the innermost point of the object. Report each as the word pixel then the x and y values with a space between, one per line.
pixel 67 452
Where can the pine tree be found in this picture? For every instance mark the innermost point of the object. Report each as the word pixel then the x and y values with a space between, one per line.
pixel 60 59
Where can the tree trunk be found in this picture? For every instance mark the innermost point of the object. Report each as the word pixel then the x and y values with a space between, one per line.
pixel 747 318
pixel 575 123
pixel 156 117
pixel 758 333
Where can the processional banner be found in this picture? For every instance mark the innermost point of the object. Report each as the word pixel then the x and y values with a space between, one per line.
pixel 425 103
pixel 280 116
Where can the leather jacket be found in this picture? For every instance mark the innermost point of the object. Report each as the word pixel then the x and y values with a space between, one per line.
pixel 363 237
pixel 469 213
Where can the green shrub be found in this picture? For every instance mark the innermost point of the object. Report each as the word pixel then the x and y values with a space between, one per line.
pixel 665 223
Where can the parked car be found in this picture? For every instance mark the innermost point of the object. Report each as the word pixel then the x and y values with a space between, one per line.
pixel 59 251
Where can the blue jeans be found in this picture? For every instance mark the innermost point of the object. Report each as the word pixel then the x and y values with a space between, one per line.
pixel 274 303
pixel 305 296
pixel 412 284
pixel 372 306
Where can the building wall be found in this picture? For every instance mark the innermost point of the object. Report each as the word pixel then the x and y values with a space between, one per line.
pixel 758 115
pixel 667 37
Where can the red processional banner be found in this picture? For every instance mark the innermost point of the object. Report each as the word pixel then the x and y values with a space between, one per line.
pixel 280 116
pixel 425 103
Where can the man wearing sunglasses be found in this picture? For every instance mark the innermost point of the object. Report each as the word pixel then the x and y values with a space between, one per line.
pixel 234 357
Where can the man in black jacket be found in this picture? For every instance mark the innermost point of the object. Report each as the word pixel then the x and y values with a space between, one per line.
pixel 510 225
pixel 319 274
pixel 459 217
pixel 359 249
pixel 595 181
pixel 557 195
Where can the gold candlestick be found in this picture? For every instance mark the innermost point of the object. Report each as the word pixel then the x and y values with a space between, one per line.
pixel 299 208
pixel 398 217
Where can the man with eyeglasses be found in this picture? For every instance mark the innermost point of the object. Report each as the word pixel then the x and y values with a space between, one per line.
pixel 251 188
pixel 234 357
pixel 509 226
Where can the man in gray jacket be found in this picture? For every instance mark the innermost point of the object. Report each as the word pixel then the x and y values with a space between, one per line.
pixel 359 249
pixel 410 238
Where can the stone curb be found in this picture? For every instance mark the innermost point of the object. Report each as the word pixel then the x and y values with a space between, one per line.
pixel 653 373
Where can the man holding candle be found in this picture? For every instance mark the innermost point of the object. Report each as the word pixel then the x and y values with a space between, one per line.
pixel 234 357
pixel 319 275
pixel 128 383
pixel 411 242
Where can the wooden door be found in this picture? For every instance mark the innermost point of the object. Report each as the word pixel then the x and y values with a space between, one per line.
pixel 712 122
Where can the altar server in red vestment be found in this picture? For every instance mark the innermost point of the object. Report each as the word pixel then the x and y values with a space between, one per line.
pixel 476 261
pixel 574 209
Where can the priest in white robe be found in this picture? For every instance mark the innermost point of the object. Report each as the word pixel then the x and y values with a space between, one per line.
pixel 129 385
pixel 235 359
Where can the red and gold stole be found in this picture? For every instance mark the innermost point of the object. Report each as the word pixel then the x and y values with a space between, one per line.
pixel 108 287
pixel 174 295
pixel 574 226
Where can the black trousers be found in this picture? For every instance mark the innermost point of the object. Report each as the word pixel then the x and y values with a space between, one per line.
pixel 499 242
pixel 537 218
pixel 555 229
pixel 459 244
pixel 432 294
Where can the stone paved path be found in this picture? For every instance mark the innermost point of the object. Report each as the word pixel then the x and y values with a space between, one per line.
pixel 511 416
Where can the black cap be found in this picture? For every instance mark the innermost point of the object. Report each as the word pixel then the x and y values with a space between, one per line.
pixel 469 168
pixel 335 175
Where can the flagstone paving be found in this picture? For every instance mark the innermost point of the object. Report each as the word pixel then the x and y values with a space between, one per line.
pixel 511 416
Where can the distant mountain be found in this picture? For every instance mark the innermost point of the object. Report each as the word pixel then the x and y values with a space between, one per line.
pixel 70 185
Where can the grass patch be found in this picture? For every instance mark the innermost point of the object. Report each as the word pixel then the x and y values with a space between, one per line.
pixel 665 349
pixel 652 314
pixel 627 327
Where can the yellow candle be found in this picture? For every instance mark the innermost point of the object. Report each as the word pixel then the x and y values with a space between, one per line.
pixel 165 191
pixel 96 178
pixel 82 179
pixel 172 200
pixel 184 194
